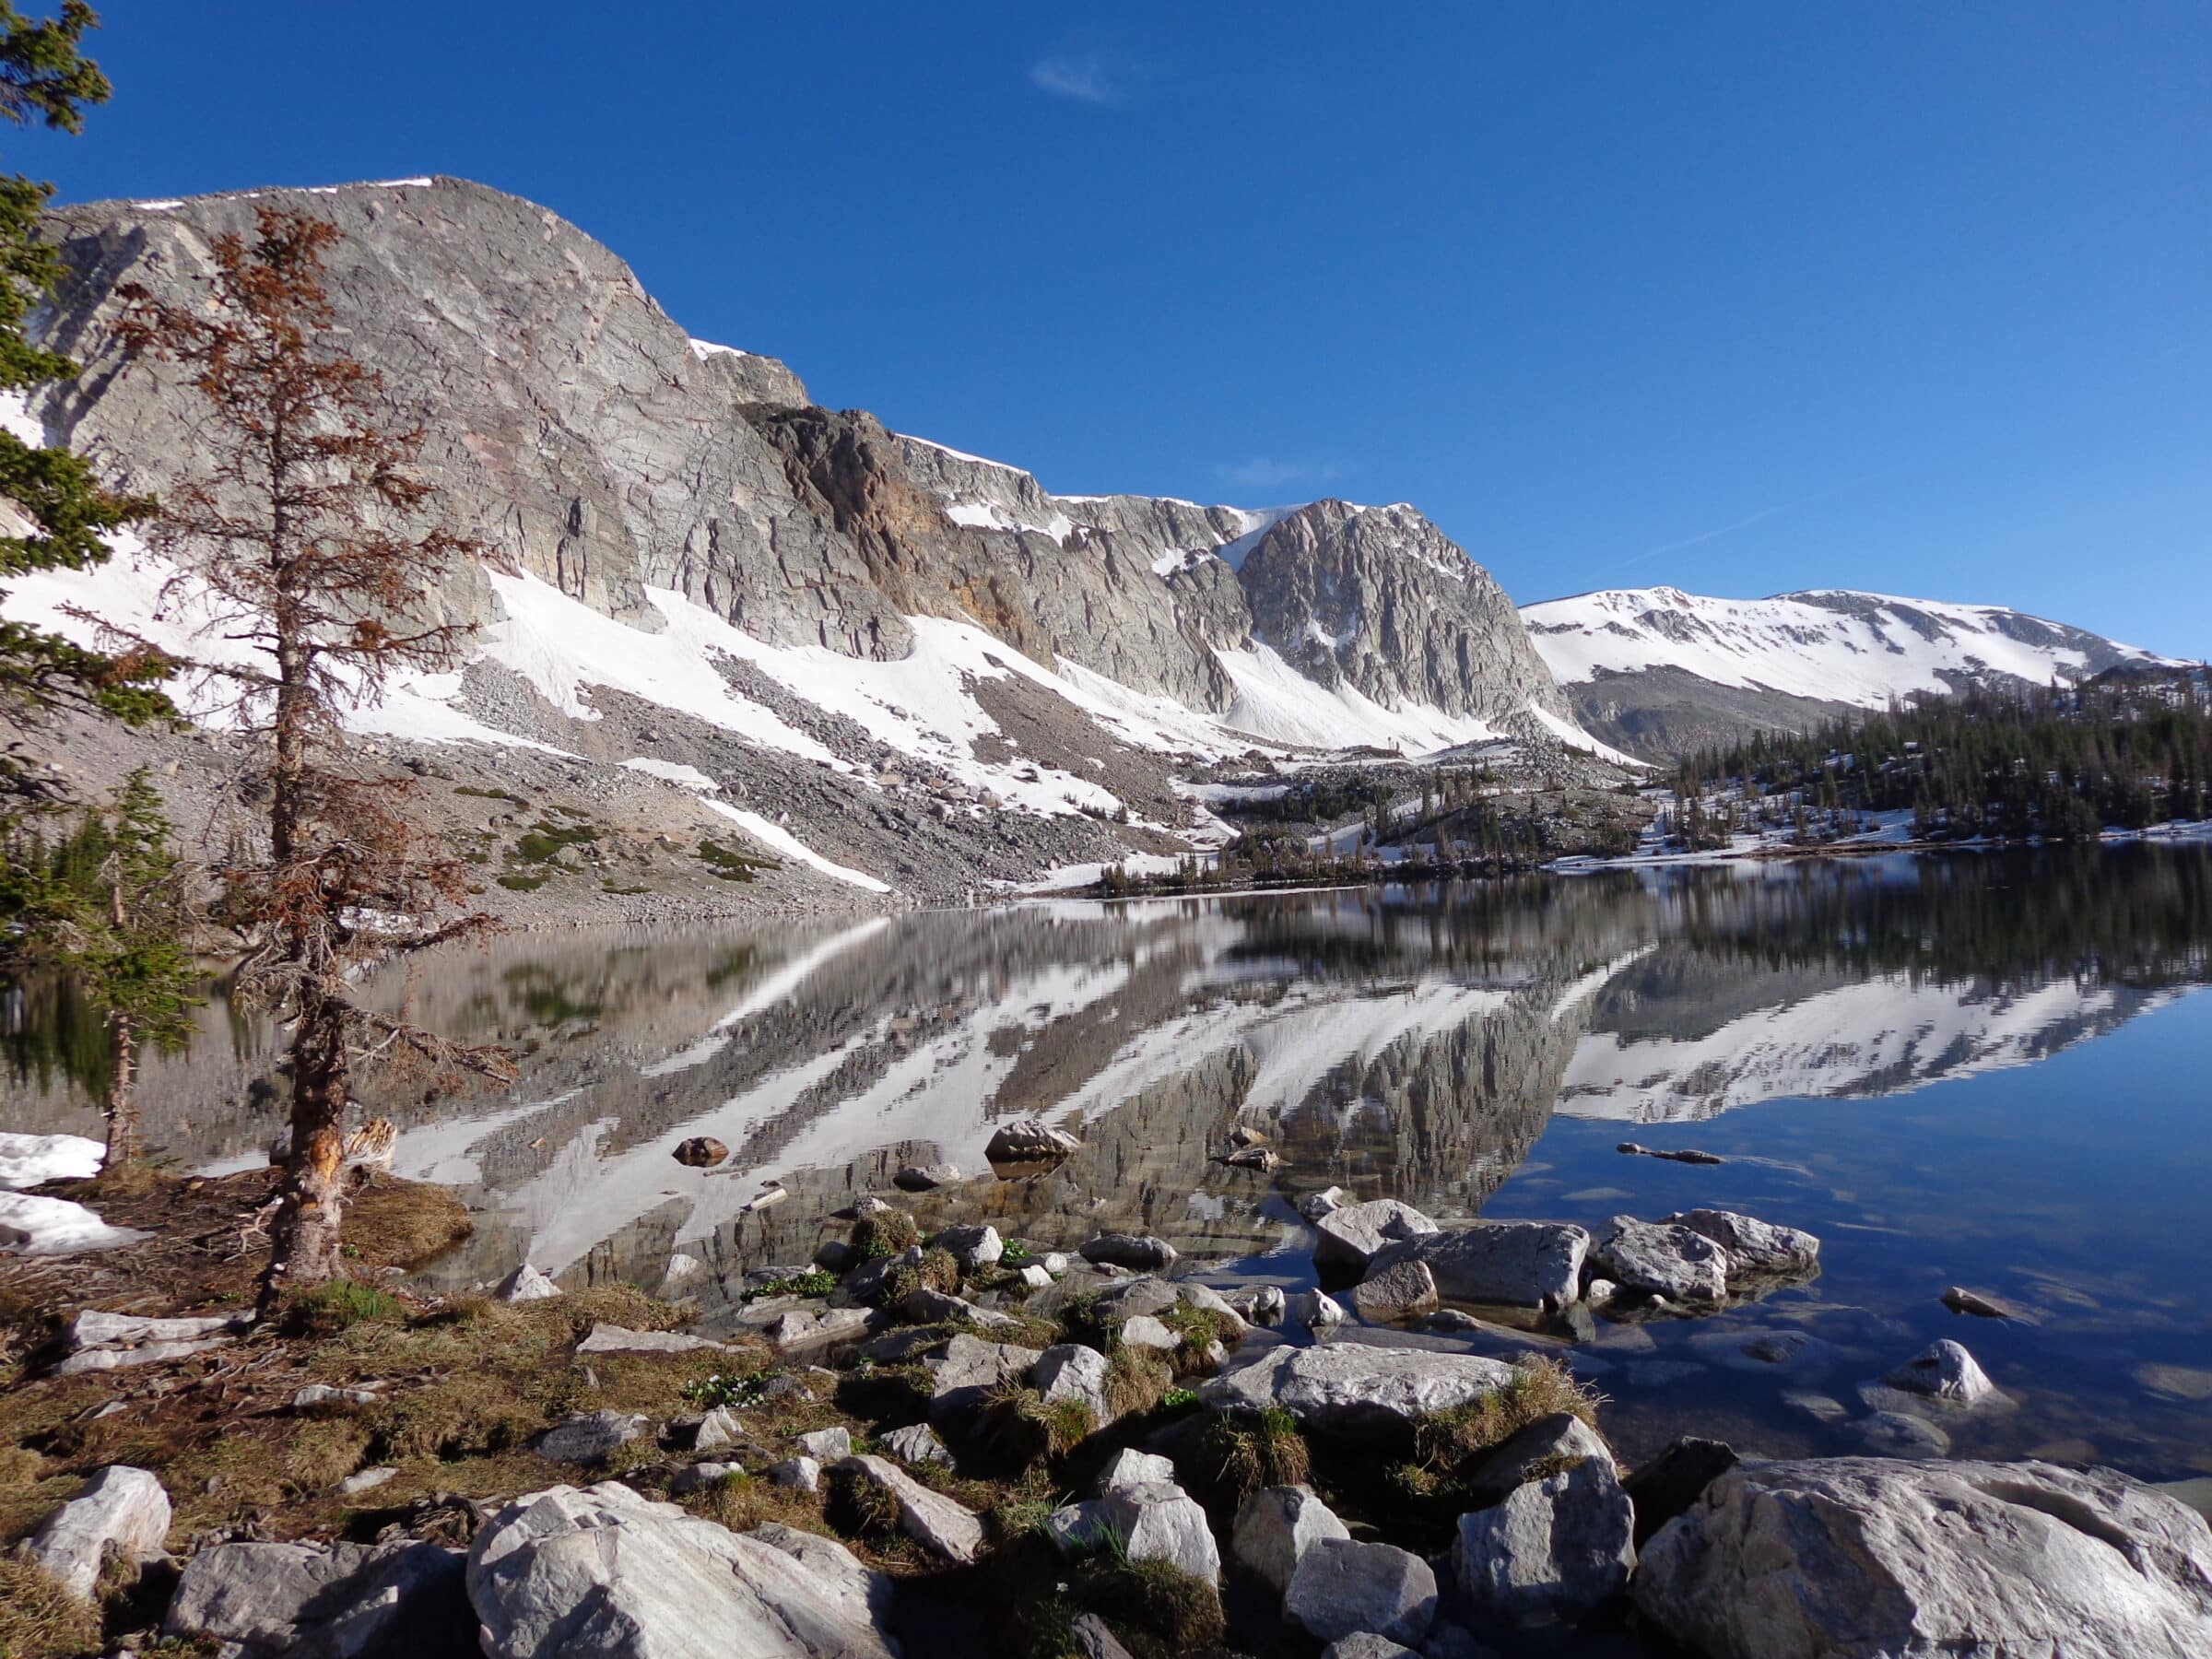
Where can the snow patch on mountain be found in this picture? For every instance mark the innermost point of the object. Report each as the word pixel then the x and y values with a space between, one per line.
pixel 1833 645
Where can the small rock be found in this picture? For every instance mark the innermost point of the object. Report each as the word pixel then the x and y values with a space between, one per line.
pixel 972 1247
pixel 322 1394
pixel 1348 1238
pixel 1661 1259
pixel 1671 1482
pixel 1901 1434
pixel 1054 1262
pixel 121 1506
pixel 1688 1155
pixel 1555 1550
pixel 1315 1206
pixel 818 1327
pixel 1264 1304
pixel 1144 1331
pixel 834 1255
pixel 1277 1525
pixel 1140 1254
pixel 1753 1246
pixel 700 1152
pixel 1543 1446
pixel 1249 1158
pixel 1403 1290
pixel 1035 1278
pixel 1599 1291
pixel 718 1428
pixel 931 1519
pixel 616 1339
pixel 1366 1645
pixel 1959 1300
pixel 1510 1263
pixel 925 1178
pixel 526 1284
pixel 1068 1370
pixel 1318 1310
pixel 1092 1640
pixel 589 1437
pixel 917 1443
pixel 826 1445
pixel 1943 1370
pixel 681 1270
pixel 924 1306
pixel 804 1473
pixel 98 1341
pixel 1128 1470
pixel 365 1480
pixel 1453 1319
pixel 1029 1142
pixel 698 1476
pixel 1154 1523
pixel 1342 1588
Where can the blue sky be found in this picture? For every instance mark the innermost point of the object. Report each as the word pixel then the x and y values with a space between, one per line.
pixel 1736 297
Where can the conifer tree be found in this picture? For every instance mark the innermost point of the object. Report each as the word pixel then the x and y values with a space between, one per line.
pixel 105 907
pixel 44 77
pixel 307 539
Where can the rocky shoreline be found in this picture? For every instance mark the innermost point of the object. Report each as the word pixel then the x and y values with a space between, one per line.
pixel 896 1447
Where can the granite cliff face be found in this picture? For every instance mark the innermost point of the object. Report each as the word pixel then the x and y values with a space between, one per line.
pixel 573 427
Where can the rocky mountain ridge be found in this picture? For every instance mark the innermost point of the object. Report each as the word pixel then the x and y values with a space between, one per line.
pixel 754 583
pixel 1658 672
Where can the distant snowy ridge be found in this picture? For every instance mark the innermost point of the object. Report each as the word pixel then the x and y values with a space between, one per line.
pixel 1832 644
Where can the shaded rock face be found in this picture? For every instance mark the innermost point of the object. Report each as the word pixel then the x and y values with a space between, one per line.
pixel 1853 1557
pixel 1378 598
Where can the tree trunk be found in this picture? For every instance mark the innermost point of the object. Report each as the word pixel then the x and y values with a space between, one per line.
pixel 303 1241
pixel 121 1108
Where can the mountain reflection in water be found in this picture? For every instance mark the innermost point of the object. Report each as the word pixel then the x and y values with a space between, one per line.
pixel 1397 1041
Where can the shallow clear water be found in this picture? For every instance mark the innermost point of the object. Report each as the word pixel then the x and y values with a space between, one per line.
pixel 1983 1071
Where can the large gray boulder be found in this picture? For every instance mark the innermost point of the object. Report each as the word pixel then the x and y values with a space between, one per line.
pixel 1153 1521
pixel 1341 1588
pixel 605 1572
pixel 1661 1259
pixel 1277 1525
pixel 1857 1557
pixel 1554 1551
pixel 1347 1239
pixel 1540 1448
pixel 341 1601
pixel 1753 1246
pixel 965 1373
pixel 1510 1263
pixel 1401 1290
pixel 865 1596
pixel 121 1507
pixel 1355 1389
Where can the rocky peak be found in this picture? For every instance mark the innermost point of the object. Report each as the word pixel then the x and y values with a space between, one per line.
pixel 1380 599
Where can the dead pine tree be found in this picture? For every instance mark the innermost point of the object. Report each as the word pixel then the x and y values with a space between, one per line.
pixel 307 540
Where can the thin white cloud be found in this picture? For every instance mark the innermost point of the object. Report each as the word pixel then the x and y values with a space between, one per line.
pixel 1263 473
pixel 1086 79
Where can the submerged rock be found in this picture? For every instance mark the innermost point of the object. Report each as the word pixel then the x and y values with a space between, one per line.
pixel 1857 1557
pixel 1943 1370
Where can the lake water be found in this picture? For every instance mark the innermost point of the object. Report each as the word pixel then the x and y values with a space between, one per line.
pixel 1988 1071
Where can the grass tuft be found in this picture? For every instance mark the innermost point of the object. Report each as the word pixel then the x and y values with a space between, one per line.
pixel 887 1232
pixel 325 1309
pixel 1135 1380
pixel 1241 1451
pixel 39 1619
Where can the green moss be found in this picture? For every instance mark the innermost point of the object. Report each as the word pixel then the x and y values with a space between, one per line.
pixel 731 865
pixel 521 884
